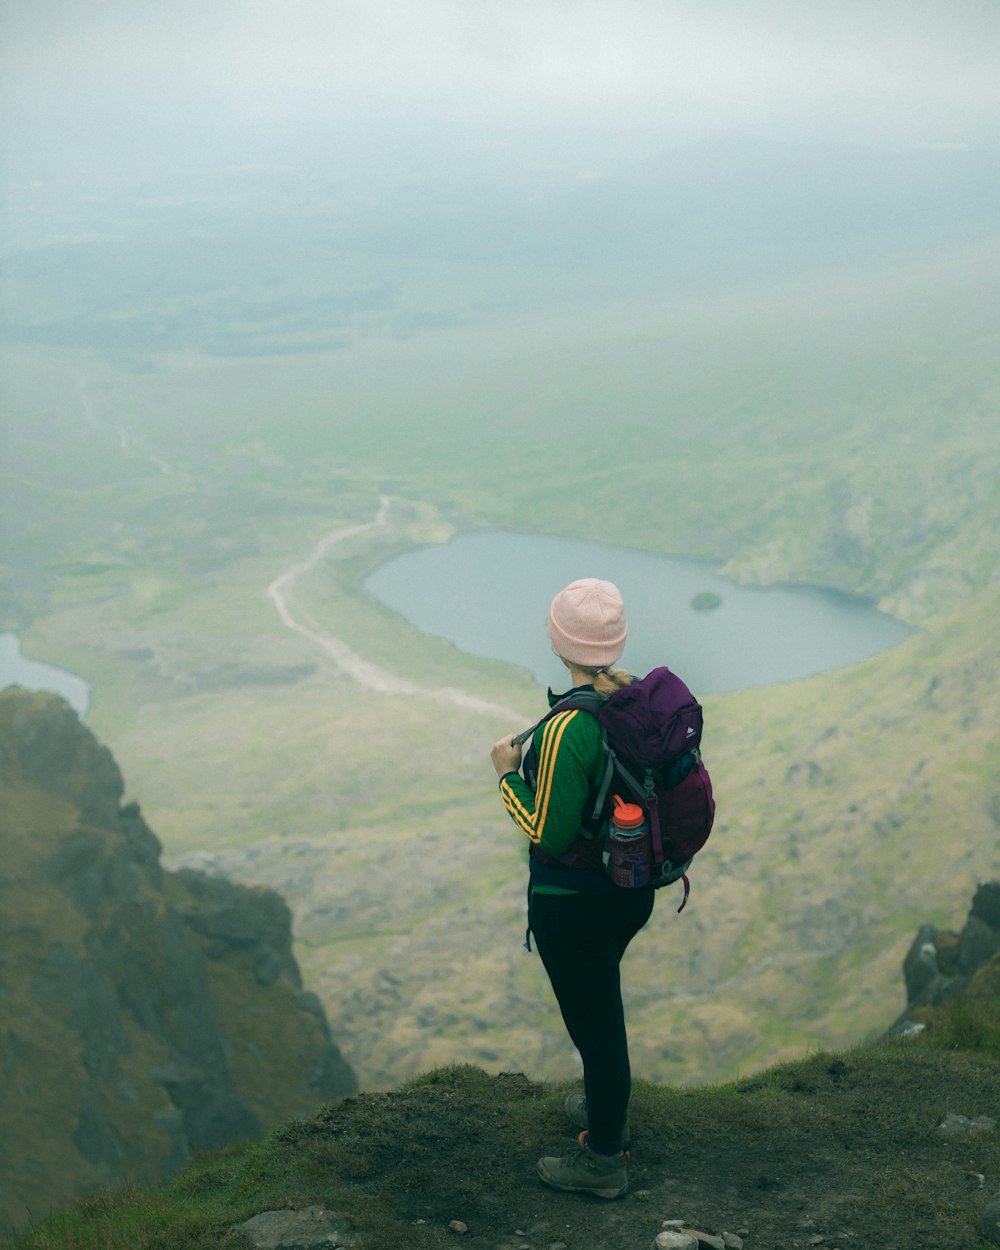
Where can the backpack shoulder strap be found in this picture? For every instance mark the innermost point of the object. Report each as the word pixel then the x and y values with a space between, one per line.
pixel 587 700
pixel 592 702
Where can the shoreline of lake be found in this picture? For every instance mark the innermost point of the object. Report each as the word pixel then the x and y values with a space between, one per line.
pixel 16 669
pixel 488 591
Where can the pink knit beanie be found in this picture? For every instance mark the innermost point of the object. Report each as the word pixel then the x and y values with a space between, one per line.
pixel 587 623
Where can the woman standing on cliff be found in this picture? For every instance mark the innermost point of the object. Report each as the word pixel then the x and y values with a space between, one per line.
pixel 581 921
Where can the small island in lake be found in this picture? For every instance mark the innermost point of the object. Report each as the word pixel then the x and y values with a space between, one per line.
pixel 705 600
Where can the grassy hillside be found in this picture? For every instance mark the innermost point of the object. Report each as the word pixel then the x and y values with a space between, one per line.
pixel 835 1149
pixel 835 426
pixel 830 835
pixel 814 882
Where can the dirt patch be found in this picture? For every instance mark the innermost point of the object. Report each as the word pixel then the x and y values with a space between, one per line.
pixel 830 1152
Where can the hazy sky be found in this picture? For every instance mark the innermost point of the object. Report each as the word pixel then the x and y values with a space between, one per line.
pixel 129 85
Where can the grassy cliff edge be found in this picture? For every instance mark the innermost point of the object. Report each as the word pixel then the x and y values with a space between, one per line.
pixel 826 1149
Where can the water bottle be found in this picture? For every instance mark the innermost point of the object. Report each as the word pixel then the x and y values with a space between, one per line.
pixel 629 851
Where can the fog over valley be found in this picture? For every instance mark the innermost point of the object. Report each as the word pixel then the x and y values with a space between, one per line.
pixel 299 298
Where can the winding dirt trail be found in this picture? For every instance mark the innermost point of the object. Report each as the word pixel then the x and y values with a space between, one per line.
pixel 363 671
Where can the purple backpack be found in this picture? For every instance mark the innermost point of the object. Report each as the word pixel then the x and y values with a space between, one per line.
pixel 651 733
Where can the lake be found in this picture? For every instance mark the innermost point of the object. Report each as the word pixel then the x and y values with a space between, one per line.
pixel 488 592
pixel 17 670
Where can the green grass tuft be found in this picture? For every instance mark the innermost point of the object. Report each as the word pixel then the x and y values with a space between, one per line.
pixel 838 1145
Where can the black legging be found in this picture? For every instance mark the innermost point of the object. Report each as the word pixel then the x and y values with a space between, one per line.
pixel 581 939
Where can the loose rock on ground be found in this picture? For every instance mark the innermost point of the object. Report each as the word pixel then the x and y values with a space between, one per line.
pixel 311 1228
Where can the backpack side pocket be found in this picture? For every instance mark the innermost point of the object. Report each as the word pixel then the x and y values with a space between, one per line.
pixel 687 811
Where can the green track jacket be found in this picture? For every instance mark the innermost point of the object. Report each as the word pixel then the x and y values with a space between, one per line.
pixel 570 768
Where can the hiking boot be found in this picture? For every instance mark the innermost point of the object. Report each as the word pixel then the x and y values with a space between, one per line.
pixel 583 1172
pixel 575 1107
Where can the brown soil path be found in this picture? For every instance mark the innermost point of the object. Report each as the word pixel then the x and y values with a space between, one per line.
pixel 363 671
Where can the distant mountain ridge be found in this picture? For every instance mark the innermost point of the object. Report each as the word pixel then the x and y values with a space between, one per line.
pixel 147 1015
pixel 776 193
pixel 316 272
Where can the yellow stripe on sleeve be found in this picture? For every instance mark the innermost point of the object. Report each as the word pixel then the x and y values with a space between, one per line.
pixel 530 815
pixel 551 737
pixel 522 817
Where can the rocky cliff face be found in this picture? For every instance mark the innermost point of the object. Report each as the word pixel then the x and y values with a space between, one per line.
pixel 942 964
pixel 144 1014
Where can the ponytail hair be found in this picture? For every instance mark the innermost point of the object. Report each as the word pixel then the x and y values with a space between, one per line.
pixel 608 680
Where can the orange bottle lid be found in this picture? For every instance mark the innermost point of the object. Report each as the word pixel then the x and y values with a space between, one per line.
pixel 627 815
